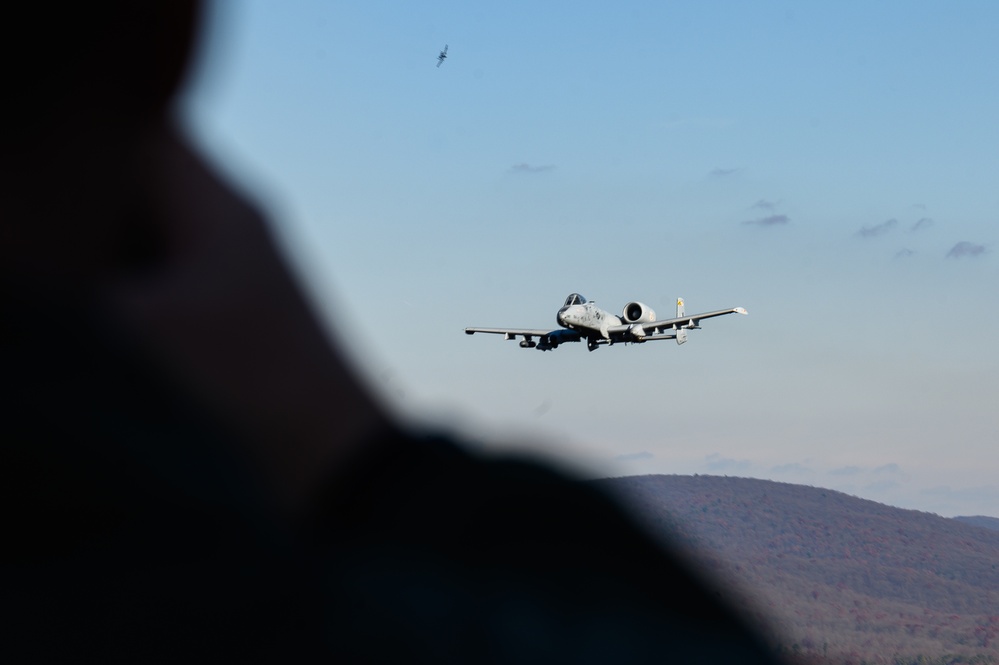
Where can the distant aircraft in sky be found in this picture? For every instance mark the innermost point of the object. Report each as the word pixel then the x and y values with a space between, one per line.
pixel 442 56
pixel 582 319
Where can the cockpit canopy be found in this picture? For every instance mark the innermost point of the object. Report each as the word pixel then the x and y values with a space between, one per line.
pixel 574 299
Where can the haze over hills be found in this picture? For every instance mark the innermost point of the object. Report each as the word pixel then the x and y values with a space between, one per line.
pixel 844 579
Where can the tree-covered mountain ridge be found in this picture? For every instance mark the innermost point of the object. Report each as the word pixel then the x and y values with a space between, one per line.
pixel 842 579
pixel 980 520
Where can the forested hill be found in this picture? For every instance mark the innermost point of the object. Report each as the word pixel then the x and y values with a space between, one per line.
pixel 979 520
pixel 845 578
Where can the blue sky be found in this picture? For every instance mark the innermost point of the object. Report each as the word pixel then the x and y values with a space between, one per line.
pixel 833 168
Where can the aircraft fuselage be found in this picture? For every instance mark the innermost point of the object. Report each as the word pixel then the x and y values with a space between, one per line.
pixel 587 319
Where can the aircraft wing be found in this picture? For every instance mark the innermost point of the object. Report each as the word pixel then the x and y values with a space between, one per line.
pixel 546 339
pixel 685 321
pixel 512 333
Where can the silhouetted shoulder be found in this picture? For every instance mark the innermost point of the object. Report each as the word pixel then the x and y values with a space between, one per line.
pixel 508 558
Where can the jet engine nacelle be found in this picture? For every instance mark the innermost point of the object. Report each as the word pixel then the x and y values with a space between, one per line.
pixel 637 312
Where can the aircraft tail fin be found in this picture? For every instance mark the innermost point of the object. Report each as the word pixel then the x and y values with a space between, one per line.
pixel 681 334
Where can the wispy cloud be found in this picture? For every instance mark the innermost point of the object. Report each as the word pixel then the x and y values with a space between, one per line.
pixel 543 408
pixel 721 173
pixel 921 206
pixel 794 467
pixel 772 220
pixel 845 471
pixel 881 485
pixel 872 231
pixel 904 253
pixel 921 223
pixel 763 204
pixel 528 168
pixel 891 467
pixel 634 457
pixel 965 249
pixel 716 462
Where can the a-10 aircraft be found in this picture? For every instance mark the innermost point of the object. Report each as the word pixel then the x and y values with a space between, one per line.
pixel 582 319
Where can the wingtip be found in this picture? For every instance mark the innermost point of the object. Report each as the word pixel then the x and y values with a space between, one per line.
pixel 741 310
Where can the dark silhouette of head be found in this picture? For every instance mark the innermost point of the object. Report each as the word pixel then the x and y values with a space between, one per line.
pixel 84 82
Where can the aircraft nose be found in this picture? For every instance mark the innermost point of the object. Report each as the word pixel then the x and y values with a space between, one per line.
pixel 560 317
